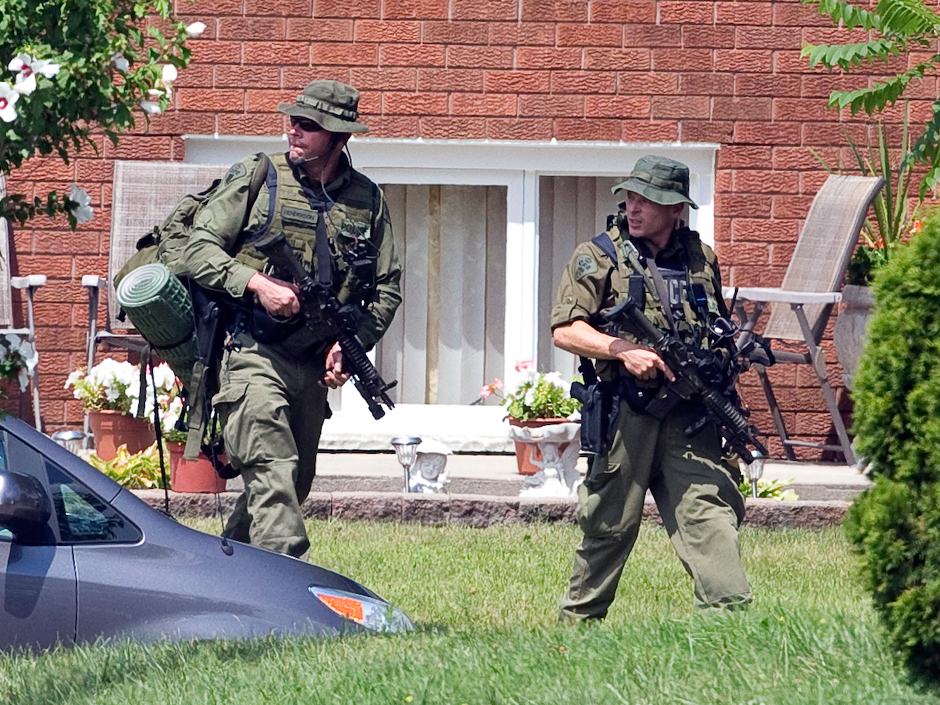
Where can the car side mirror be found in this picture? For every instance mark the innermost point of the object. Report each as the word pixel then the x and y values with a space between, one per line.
pixel 25 507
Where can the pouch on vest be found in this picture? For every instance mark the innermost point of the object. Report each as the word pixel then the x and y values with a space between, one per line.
pixel 600 407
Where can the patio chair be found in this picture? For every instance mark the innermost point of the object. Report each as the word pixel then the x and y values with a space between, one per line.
pixel 801 306
pixel 27 284
pixel 143 194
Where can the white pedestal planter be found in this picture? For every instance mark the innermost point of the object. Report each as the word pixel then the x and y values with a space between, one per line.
pixel 557 475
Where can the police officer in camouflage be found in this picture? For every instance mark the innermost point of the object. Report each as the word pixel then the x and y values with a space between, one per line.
pixel 275 375
pixel 665 266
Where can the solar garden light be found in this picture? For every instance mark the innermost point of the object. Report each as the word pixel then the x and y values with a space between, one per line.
pixel 754 471
pixel 70 440
pixel 406 449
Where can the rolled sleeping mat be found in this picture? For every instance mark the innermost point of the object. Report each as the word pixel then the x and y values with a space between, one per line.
pixel 161 309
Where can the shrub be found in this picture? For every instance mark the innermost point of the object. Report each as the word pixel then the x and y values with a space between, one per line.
pixel 895 525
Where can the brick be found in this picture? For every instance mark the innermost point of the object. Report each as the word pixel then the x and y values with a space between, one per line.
pixel 416 9
pixel 617 59
pixel 216 52
pixel 793 62
pixel 139 148
pixel 764 230
pixel 50 168
pixel 743 205
pixel 649 131
pixel 828 34
pixel 589 35
pixel 742 157
pixel 517 81
pixel 320 30
pixel 352 9
pixel 447 128
pixel 183 123
pixel 765 181
pixel 682 60
pixel 241 76
pixel 195 77
pixel 755 276
pixel 386 31
pixel 742 109
pixel 522 34
pixel 414 103
pixel 391 79
pixel 696 36
pixel 394 126
pixel 777 86
pixel 252 124
pixel 491 10
pixel 739 61
pixel 826 133
pixel 718 131
pixel 296 77
pixel 585 129
pixel 681 106
pixel 545 58
pixel 255 28
pixel 583 82
pixel 86 170
pixel 801 109
pixel 616 106
pixel 754 254
pixel 767 38
pixel 345 54
pixel 622 11
pixel 459 56
pixel 744 13
pixel 519 129
pixel 300 8
pixel 822 86
pixel 551 106
pixel 262 101
pixel 53 266
pixel 370 102
pixel 713 84
pixel 648 83
pixel 798 15
pixel 554 11
pixel 455 32
pixel 486 105
pixel 277 53
pixel 782 252
pixel 652 35
pixel 767 133
pixel 812 181
pixel 798 158
pixel 687 12
pixel 790 206
pixel 451 80
pixel 408 55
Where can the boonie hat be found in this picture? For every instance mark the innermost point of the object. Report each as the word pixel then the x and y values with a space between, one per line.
pixel 331 104
pixel 661 180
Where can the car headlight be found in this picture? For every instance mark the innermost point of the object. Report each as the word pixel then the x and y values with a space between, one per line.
pixel 368 612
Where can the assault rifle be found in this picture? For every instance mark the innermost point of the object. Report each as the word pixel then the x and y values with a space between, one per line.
pixel 689 383
pixel 320 307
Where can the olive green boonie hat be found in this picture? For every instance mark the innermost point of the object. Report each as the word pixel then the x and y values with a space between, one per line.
pixel 661 180
pixel 331 104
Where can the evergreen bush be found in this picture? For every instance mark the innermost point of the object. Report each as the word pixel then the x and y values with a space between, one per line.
pixel 895 525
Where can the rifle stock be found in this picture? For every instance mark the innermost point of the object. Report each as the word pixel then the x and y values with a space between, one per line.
pixel 320 304
pixel 735 428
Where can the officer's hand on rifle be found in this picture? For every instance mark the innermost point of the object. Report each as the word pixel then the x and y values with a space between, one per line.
pixel 641 362
pixel 277 297
pixel 334 377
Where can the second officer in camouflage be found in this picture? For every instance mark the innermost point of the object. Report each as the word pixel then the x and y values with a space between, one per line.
pixel 274 377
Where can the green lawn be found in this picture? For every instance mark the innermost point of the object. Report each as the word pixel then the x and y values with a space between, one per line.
pixel 485 602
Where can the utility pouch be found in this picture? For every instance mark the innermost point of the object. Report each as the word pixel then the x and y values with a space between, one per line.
pixel 266 329
pixel 600 406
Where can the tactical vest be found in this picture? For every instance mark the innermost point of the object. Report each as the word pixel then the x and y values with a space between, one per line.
pixel 348 225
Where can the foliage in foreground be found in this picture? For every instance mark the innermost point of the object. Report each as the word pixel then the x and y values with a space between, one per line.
pixel 896 524
pixel 485 601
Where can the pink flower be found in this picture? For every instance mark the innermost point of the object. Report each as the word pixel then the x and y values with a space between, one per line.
pixel 523 365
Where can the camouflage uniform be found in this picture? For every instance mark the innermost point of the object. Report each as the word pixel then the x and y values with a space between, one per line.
pixel 694 485
pixel 270 401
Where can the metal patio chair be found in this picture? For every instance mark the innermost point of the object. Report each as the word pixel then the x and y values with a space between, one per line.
pixel 801 306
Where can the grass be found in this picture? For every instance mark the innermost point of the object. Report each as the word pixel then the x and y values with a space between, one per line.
pixel 485 604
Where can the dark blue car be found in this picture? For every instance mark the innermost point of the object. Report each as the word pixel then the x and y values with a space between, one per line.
pixel 83 558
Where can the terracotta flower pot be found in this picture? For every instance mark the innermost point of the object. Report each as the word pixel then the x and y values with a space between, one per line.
pixel 197 476
pixel 527 452
pixel 112 429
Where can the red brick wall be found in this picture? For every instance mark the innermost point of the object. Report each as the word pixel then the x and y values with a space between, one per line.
pixel 631 70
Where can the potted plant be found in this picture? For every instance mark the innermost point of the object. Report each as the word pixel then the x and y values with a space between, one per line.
pixel 110 394
pixel 539 399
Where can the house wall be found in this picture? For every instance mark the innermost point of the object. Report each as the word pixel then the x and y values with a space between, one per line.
pixel 609 70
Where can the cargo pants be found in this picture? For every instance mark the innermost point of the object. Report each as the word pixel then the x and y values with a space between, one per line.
pixel 272 410
pixel 696 492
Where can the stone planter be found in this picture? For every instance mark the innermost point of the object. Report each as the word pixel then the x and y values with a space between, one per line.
pixel 551 447
pixel 112 429
pixel 850 329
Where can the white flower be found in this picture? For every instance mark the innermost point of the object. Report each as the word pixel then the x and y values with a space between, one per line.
pixel 26 68
pixel 74 377
pixel 8 98
pixel 195 29
pixel 80 200
pixel 23 378
pixel 120 63
pixel 148 107
pixel 30 357
pixel 164 377
pixel 555 379
pixel 169 73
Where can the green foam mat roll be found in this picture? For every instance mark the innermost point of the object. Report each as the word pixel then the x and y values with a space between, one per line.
pixel 158 305
pixel 181 358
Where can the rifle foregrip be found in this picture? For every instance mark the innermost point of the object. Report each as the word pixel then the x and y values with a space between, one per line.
pixel 367 379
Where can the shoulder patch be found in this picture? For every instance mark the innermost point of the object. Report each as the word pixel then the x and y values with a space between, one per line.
pixel 237 171
pixel 584 265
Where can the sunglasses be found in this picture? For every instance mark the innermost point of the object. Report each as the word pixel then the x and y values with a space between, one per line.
pixel 305 124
